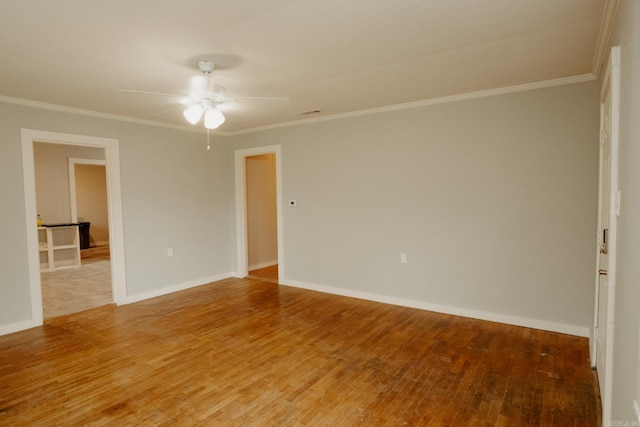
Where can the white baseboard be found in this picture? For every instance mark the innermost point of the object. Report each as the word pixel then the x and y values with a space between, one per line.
pixel 263 265
pixel 175 288
pixel 31 323
pixel 445 309
pixel 493 317
pixel 19 326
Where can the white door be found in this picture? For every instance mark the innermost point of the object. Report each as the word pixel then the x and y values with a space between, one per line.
pixel 608 209
pixel 603 237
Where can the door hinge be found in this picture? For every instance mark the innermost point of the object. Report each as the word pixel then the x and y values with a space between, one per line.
pixel 602 137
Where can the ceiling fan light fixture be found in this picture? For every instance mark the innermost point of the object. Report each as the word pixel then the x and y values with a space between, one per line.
pixel 213 118
pixel 193 114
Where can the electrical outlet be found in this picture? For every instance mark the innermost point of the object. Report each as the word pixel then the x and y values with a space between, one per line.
pixel 403 258
pixel 169 252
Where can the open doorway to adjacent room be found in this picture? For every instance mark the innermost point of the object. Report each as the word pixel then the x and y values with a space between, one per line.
pixel 72 204
pixel 262 224
pixel 259 213
pixel 56 248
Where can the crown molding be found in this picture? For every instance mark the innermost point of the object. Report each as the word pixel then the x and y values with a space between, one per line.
pixel 426 102
pixel 397 107
pixel 604 37
pixel 91 113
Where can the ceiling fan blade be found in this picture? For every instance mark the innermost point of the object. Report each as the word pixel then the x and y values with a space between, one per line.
pixel 264 98
pixel 204 92
pixel 163 112
pixel 145 92
pixel 218 76
pixel 179 98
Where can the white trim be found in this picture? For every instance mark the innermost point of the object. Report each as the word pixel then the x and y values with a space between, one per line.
pixel 72 181
pixel 112 158
pixel 416 104
pixel 613 231
pixel 33 257
pixel 175 288
pixel 426 102
pixel 593 339
pixel 263 265
pixel 562 328
pixel 98 114
pixel 19 326
pixel 606 28
pixel 242 268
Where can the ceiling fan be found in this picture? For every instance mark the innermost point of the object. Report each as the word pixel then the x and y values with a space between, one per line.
pixel 205 97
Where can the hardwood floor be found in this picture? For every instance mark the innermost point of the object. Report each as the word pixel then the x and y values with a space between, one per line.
pixel 268 274
pixel 95 254
pixel 248 352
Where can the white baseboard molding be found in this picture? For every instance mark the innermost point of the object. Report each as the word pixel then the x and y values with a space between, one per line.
pixel 562 328
pixel 493 317
pixel 19 326
pixel 31 323
pixel 175 288
pixel 263 265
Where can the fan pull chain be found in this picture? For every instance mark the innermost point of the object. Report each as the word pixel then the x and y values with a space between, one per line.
pixel 208 144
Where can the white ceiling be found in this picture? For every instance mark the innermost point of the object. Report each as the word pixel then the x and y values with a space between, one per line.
pixel 336 56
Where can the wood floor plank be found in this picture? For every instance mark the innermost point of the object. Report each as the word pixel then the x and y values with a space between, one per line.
pixel 250 352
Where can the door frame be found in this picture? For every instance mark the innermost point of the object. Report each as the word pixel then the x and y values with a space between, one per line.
pixel 610 82
pixel 242 258
pixel 116 235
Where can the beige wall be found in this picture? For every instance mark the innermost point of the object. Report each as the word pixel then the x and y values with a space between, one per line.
pixel 91 201
pixel 52 178
pixel 493 200
pixel 262 231
pixel 174 194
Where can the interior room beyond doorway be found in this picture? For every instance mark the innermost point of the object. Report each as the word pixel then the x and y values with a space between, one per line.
pixel 262 229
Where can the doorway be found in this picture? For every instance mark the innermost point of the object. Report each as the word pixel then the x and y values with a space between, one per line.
pixel 88 200
pixel 110 152
pixel 87 282
pixel 262 223
pixel 259 213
